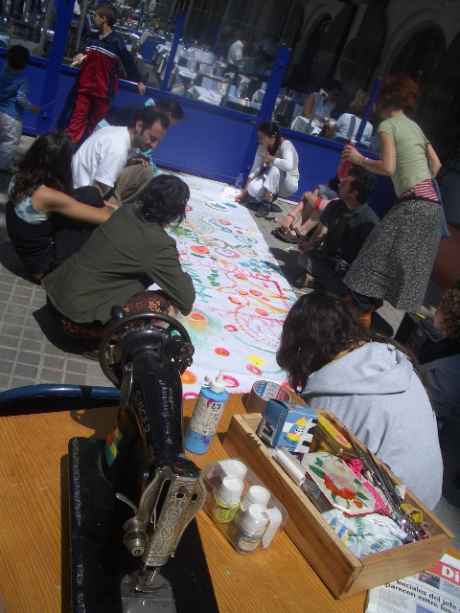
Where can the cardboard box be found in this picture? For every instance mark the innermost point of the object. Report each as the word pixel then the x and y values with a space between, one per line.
pixel 340 570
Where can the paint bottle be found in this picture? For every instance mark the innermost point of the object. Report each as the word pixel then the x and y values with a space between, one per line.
pixel 250 526
pixel 256 494
pixel 227 497
pixel 206 415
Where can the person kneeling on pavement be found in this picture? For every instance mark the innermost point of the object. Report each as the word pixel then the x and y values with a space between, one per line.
pixel 344 226
pixel 121 260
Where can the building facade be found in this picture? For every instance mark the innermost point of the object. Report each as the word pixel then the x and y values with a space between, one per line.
pixel 353 41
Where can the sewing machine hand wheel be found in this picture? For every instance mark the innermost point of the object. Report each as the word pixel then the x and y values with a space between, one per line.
pixel 125 334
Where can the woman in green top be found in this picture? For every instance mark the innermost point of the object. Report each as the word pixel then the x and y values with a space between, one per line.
pixel 121 259
pixel 396 262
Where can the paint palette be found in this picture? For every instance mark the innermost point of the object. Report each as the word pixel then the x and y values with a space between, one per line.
pixel 338 483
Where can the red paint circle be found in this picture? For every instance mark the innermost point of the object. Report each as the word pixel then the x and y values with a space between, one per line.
pixel 231 328
pixel 222 352
pixel 190 395
pixel 196 316
pixel 262 312
pixel 253 369
pixel 199 249
pixel 230 381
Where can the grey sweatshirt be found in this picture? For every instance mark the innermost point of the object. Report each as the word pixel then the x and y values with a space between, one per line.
pixel 376 393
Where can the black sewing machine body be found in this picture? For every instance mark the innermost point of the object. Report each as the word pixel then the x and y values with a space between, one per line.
pixel 133 498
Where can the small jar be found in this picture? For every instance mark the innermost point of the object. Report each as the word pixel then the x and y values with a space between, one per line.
pixel 227 497
pixel 256 494
pixel 249 528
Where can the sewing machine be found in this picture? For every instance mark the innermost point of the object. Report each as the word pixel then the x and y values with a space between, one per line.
pixel 132 498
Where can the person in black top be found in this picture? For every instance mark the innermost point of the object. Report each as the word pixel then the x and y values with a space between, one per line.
pixel 336 241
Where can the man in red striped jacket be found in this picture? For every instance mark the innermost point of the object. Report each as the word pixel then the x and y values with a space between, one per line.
pixel 104 60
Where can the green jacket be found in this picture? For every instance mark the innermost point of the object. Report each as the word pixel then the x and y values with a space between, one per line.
pixel 121 258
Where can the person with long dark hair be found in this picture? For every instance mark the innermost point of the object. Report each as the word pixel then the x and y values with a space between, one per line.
pixel 397 260
pixel 40 193
pixel 370 384
pixel 122 259
pixel 275 171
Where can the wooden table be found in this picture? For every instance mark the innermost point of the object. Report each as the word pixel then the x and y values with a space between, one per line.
pixel 33 563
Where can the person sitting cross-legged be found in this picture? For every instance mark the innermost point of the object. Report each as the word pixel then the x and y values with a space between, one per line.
pixel 344 226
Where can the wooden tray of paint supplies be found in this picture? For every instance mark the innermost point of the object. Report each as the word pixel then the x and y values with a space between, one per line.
pixel 343 572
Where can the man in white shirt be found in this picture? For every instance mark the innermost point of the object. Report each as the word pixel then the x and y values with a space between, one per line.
pixel 102 157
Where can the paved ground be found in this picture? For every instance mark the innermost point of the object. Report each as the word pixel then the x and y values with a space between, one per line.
pixel 27 356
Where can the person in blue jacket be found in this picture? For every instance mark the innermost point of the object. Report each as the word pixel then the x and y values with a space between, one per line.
pixel 13 102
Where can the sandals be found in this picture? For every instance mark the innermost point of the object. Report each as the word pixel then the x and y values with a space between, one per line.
pixel 284 236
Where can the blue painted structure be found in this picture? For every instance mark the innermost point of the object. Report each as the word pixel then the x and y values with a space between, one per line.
pixel 212 141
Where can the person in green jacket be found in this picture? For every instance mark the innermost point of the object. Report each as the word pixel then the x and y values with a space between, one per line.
pixel 122 258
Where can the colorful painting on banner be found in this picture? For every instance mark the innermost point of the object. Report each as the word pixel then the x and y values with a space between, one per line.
pixel 242 298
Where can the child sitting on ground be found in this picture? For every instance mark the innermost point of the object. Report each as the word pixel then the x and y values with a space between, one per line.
pixel 13 103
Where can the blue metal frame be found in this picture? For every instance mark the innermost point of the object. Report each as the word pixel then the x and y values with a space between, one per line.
pixel 56 55
pixel 180 23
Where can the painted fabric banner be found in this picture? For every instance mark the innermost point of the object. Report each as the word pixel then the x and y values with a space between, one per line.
pixel 242 297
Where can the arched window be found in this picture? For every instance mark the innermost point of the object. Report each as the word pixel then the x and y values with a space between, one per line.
pixel 420 54
pixel 363 53
pixel 439 108
pixel 300 74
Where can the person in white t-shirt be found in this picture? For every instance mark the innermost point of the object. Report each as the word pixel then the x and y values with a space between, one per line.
pixel 275 171
pixel 102 157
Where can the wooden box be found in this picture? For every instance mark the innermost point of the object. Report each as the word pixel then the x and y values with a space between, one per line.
pixel 342 572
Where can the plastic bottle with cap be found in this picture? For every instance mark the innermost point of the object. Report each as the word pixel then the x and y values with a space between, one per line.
pixel 250 526
pixel 256 494
pixel 227 497
pixel 206 415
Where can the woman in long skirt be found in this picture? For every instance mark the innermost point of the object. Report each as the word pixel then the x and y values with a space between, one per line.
pixel 396 261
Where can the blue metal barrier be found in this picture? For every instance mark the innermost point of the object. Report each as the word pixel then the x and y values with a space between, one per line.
pixel 51 398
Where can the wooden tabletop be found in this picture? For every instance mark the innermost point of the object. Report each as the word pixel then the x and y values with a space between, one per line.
pixel 33 563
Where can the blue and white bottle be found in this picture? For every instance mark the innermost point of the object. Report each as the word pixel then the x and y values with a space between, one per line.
pixel 206 415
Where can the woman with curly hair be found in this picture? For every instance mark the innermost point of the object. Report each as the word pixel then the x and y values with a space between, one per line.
pixel 396 262
pixel 368 383
pixel 41 193
pixel 441 359
pixel 121 260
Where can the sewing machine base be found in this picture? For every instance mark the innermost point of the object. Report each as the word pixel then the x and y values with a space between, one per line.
pixel 101 565
pixel 162 601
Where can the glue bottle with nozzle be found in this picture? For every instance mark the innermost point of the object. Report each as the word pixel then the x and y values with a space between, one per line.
pixel 206 415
